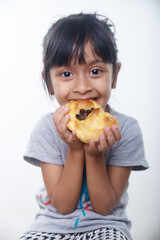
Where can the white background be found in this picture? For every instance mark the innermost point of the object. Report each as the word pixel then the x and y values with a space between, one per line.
pixel 23 101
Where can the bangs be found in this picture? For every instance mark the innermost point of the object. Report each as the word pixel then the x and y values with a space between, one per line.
pixel 69 38
pixel 68 45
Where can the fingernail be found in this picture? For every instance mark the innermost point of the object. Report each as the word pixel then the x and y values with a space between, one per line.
pixel 91 142
pixel 102 136
pixel 67 116
pixel 107 128
pixel 114 127
pixel 64 107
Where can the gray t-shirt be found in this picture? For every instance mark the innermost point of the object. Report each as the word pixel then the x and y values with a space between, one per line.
pixel 45 145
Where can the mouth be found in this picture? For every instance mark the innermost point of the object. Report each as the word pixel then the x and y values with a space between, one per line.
pixel 94 99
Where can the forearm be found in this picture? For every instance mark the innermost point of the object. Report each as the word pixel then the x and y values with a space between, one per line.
pixel 101 193
pixel 67 190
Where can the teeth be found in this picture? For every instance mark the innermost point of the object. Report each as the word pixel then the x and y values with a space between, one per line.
pixel 95 99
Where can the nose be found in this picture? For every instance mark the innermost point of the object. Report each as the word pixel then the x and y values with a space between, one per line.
pixel 82 85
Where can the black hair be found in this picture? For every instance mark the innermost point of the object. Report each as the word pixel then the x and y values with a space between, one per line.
pixel 67 37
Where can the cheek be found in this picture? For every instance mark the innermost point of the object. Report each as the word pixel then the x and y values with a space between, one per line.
pixel 105 92
pixel 61 93
pixel 106 95
pixel 105 88
pixel 57 91
pixel 59 96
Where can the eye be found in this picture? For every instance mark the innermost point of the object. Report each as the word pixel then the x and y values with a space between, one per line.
pixel 95 72
pixel 66 74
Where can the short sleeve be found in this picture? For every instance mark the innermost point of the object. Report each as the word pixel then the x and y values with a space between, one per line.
pixel 44 143
pixel 129 151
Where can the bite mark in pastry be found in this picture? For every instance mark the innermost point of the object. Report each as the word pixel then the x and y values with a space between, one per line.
pixel 88 119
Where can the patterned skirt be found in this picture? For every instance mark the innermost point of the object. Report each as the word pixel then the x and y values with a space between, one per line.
pixel 99 234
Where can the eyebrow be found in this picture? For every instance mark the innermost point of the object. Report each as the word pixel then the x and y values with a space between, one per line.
pixel 95 61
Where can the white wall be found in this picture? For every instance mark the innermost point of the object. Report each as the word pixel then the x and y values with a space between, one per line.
pixel 23 101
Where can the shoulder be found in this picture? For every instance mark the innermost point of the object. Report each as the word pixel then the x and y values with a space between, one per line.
pixel 44 143
pixel 129 151
pixel 126 123
pixel 45 126
pixel 44 122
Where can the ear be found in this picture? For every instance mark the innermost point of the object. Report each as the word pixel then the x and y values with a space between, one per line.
pixel 50 89
pixel 117 72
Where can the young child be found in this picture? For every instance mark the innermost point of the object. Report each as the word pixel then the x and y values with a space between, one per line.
pixel 85 192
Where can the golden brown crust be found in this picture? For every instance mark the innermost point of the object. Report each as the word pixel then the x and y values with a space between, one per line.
pixel 91 127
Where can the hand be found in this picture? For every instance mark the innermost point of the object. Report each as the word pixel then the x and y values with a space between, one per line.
pixel 106 139
pixel 61 119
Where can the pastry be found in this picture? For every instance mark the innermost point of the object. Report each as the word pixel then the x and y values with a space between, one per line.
pixel 88 119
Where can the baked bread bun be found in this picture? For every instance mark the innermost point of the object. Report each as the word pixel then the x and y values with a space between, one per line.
pixel 88 119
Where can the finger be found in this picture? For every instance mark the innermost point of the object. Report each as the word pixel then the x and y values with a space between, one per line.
pixel 110 136
pixel 56 113
pixel 59 119
pixel 74 135
pixel 102 146
pixel 63 127
pixel 116 132
pixel 60 114
pixel 92 145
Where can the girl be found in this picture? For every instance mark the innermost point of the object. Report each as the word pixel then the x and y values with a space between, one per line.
pixel 85 192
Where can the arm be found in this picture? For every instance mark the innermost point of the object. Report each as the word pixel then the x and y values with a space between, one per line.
pixel 63 183
pixel 105 184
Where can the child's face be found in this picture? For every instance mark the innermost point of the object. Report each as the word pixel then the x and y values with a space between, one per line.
pixel 92 80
